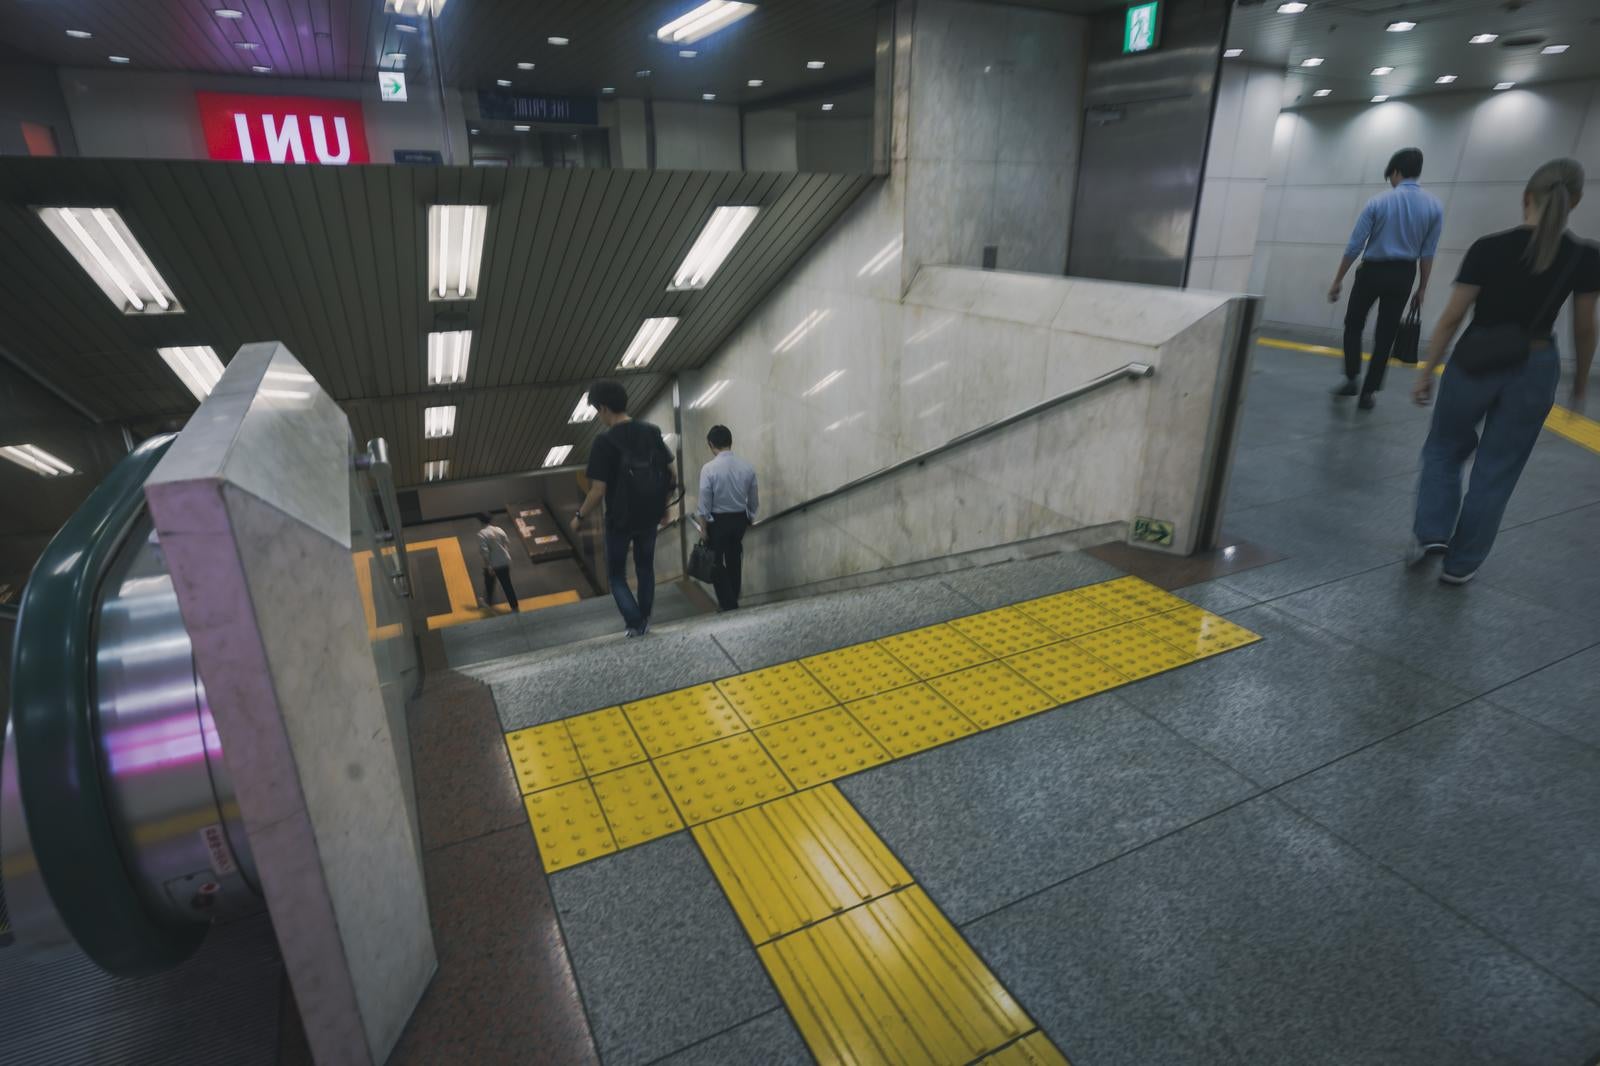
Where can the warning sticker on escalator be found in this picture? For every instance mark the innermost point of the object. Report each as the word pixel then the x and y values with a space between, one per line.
pixel 216 842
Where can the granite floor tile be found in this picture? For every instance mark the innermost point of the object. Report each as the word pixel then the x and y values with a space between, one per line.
pixel 1492 814
pixel 1563 696
pixel 770 1040
pixel 481 642
pixel 1474 637
pixel 1172 572
pixel 989 819
pixel 1256 937
pixel 1300 698
pixel 464 783
pixel 661 959
pixel 1543 562
pixel 1001 584
pixel 1215 597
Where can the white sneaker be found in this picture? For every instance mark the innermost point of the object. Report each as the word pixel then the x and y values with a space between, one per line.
pixel 1418 550
pixel 1448 578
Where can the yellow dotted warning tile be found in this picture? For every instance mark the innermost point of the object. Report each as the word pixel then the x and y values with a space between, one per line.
pixel 1069 614
pixel 934 650
pixel 543 756
pixel 857 671
pixel 636 804
pixel 821 746
pixel 605 741
pixel 1065 672
pixel 721 777
pixel 798 860
pixel 1004 632
pixel 892 981
pixel 1198 631
pixel 1034 1049
pixel 569 825
pixel 1131 598
pixel 992 694
pixel 774 694
pixel 681 719
pixel 1133 652
pixel 911 719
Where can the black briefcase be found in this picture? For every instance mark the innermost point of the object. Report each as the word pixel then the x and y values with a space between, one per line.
pixel 1409 340
pixel 703 564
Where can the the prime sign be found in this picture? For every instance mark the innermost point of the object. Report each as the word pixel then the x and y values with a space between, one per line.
pixel 283 129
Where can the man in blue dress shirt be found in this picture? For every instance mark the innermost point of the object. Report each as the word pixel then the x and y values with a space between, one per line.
pixel 728 503
pixel 1398 230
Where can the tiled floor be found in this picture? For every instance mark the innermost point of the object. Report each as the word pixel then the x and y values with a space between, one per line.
pixel 1368 838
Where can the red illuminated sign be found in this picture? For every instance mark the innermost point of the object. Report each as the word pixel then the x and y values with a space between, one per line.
pixel 283 129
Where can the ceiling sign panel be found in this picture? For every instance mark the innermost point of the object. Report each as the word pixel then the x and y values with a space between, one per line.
pixel 283 129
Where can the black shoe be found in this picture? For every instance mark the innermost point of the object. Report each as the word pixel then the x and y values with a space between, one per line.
pixel 1347 389
pixel 1368 401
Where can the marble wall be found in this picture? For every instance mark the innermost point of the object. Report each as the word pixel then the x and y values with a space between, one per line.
pixel 1237 164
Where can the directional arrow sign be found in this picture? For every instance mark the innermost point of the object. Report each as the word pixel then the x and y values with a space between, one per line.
pixel 392 85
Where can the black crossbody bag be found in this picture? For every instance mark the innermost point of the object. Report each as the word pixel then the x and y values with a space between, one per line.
pixel 1507 345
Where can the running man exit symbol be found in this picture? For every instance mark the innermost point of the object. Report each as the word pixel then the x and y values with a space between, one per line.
pixel 1152 531
pixel 1139 30
pixel 392 85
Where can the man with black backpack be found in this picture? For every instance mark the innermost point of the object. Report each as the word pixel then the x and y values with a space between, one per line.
pixel 631 468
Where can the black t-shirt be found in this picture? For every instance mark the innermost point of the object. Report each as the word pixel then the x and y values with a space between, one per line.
pixel 1511 292
pixel 605 461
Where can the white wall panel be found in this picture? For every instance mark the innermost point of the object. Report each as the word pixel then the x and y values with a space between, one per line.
pixel 1513 132
pixel 696 136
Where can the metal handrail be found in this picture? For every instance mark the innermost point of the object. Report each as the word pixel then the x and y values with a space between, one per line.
pixel 1132 371
pixel 391 541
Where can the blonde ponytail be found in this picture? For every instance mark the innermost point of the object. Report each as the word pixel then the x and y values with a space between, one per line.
pixel 1553 189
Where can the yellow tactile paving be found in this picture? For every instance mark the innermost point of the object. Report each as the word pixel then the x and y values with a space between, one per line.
pixel 569 825
pixel 636 805
pixel 543 756
pixel 1004 632
pixel 892 981
pixel 1198 632
pixel 821 746
pixel 1069 614
pixel 1133 652
pixel 857 671
pixel 763 697
pixel 1065 672
pixel 721 777
pixel 798 860
pixel 604 740
pixel 1034 1049
pixel 992 694
pixel 681 719
pixel 934 650
pixel 1131 598
pixel 908 720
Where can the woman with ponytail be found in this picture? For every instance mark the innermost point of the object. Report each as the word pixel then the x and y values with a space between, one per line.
pixel 1504 370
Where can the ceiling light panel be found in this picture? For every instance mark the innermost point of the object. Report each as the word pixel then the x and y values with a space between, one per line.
pixel 1323 92
pixel 413 7
pixel 815 64
pixel 1502 86
pixel 584 412
pixel 1314 61
pixel 439 422
pixel 724 229
pixel 34 458
pixel 1232 53
pixel 196 365
pixel 557 455
pixel 436 470
pixel 1378 72
pixel 448 352
pixel 1379 99
pixel 1483 38
pixel 1401 27
pixel 1292 8
pixel 106 249
pixel 703 21
pixel 455 250
pixel 1553 49
pixel 1444 79
pixel 653 333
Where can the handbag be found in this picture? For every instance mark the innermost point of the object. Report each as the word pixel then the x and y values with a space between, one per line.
pixel 1409 339
pixel 1505 345
pixel 703 564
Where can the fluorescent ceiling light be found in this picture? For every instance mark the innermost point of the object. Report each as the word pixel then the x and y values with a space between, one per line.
pixel 261 69
pixel 711 248
pixel 827 107
pixel 524 65
pixel 504 83
pixel 557 455
pixel 438 422
pixel 653 333
pixel 703 21
pixel 520 128
pixel 1444 79
pixel 755 83
pixel 437 470
pixel 228 13
pixel 815 64
pixel 827 379
pixel 455 250
pixel 34 458
pixel 248 46
pixel 119 59
pixel 395 57
pixel 1293 8
pixel 448 352
pixel 1378 72
pixel 605 89
pixel 645 73
pixel 584 412
pixel 559 41
pixel 82 35
pixel 196 365
pixel 687 53
pixel 1314 61
pixel 1379 99
pixel 1502 86
pixel 1401 26
pixel 106 249
pixel 1553 49
pixel 1232 53
pixel 709 397
pixel 1483 38
pixel 413 7
pixel 405 27
pixel 708 96
pixel 1323 92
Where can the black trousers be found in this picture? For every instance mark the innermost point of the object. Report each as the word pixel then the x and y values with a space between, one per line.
pixel 504 574
pixel 725 537
pixel 1388 284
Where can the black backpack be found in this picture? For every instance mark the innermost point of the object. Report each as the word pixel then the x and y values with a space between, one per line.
pixel 644 483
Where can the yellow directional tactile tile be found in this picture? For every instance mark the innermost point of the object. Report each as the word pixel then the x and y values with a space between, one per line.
pixel 774 694
pixel 1069 614
pixel 1066 673
pixel 797 860
pixel 908 720
pixel 682 719
pixel 934 650
pixel 992 694
pixel 605 741
pixel 1131 598
pixel 892 981
pixel 1133 652
pixel 1198 632
pixel 721 777
pixel 569 825
pixel 1034 1049
pixel 543 756
pixel 1004 632
pixel 821 746
pixel 636 805
pixel 861 670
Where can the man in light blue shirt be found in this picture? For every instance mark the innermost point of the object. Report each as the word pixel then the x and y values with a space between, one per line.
pixel 728 503
pixel 1398 230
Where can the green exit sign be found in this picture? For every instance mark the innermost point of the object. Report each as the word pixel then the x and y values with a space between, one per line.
pixel 1141 28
